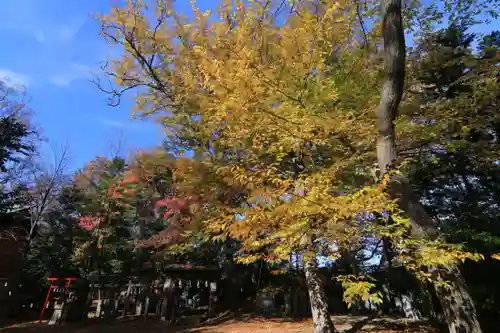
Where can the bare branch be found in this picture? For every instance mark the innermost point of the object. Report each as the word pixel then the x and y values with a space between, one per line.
pixel 116 148
pixel 46 184
pixel 362 25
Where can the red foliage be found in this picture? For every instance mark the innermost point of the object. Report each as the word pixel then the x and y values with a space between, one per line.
pixel 128 180
pixel 172 234
pixel 88 222
pixel 172 206
pixel 177 224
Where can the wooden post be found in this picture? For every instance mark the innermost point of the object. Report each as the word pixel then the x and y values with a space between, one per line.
pixel 109 308
pixel 159 304
pixel 146 307
pixel 138 302
pixel 126 301
pixel 288 303
pixel 87 304
pixel 57 314
pixel 116 305
pixel 211 300
pixel 98 309
pixel 99 302
pixel 168 286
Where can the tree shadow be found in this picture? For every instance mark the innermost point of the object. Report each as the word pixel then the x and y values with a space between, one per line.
pixel 238 317
pixel 360 324
pixel 122 325
pixel 388 324
pixel 248 323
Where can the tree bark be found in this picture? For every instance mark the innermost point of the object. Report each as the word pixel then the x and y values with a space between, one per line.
pixel 388 305
pixel 319 304
pixel 458 307
pixel 404 294
pixel 393 83
pixel 460 313
pixel 317 297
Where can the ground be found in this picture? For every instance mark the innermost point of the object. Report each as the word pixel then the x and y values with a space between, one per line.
pixel 346 324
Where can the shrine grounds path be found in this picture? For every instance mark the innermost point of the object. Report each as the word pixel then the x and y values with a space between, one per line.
pixel 240 324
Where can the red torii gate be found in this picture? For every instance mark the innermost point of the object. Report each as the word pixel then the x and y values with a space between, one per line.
pixel 52 287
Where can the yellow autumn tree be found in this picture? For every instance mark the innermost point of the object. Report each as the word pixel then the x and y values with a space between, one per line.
pixel 175 190
pixel 260 92
pixel 277 102
pixel 263 90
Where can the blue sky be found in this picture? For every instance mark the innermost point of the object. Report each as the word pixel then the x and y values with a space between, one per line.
pixel 53 47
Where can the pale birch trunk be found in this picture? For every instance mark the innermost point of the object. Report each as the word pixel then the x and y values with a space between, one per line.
pixel 319 303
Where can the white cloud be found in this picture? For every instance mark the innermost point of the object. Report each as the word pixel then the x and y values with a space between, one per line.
pixel 41 20
pixel 56 34
pixel 76 71
pixel 61 80
pixel 13 79
pixel 127 125
pixel 112 123
pixel 84 69
pixel 66 32
pixel 39 36
pixel 53 41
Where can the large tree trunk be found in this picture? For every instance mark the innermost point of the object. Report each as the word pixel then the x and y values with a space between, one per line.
pixel 457 304
pixel 388 305
pixel 317 297
pixel 459 309
pixel 396 282
pixel 319 304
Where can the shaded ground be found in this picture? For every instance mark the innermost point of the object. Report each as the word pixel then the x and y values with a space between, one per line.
pixel 346 324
